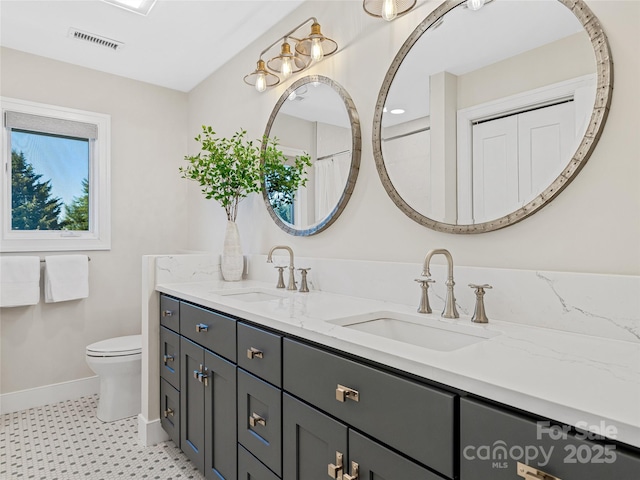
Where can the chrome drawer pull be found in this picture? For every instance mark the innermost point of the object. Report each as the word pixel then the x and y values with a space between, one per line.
pixel 254 353
pixel 167 313
pixel 168 412
pixel 531 473
pixel 355 471
pixel 256 419
pixel 335 470
pixel 201 327
pixel 169 358
pixel 345 393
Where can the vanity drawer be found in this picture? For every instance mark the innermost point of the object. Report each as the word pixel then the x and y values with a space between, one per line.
pixel 170 410
pixel 260 420
pixel 209 329
pixel 493 440
pixel 249 468
pixel 170 356
pixel 260 353
pixel 415 419
pixel 170 313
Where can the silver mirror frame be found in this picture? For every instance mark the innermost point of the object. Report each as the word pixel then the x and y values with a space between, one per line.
pixel 604 69
pixel 356 151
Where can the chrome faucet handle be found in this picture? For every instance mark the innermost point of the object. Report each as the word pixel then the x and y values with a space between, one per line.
pixel 280 277
pixel 479 315
pixel 303 280
pixel 424 306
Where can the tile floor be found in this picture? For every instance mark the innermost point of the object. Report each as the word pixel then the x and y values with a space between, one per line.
pixel 65 441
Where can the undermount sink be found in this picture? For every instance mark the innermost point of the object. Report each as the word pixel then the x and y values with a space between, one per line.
pixel 251 294
pixel 423 332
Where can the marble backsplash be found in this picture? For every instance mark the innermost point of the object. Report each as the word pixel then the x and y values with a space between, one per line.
pixel 592 304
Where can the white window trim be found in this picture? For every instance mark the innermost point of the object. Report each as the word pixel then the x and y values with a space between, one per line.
pixel 99 235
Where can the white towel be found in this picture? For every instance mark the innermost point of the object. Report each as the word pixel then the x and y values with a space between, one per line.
pixel 19 281
pixel 66 277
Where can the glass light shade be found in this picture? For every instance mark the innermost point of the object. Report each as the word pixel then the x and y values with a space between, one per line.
pixel 287 63
pixel 260 78
pixel 316 45
pixel 387 9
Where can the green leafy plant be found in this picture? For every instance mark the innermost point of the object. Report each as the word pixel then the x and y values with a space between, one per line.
pixel 229 169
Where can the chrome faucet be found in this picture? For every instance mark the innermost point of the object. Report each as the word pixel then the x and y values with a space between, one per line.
pixel 292 278
pixel 450 302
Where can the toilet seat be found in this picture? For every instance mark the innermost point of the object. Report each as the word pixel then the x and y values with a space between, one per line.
pixel 116 347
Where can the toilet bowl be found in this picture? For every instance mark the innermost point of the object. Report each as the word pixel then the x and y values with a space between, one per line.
pixel 117 361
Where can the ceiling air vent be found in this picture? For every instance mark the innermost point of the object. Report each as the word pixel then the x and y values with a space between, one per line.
pixel 95 39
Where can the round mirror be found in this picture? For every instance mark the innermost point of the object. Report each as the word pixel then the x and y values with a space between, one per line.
pixel 315 116
pixel 486 115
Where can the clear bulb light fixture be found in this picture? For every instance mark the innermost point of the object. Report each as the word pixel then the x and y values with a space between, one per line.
pixel 261 82
pixel 389 10
pixel 286 69
pixel 317 53
pixel 475 4
pixel 260 78
pixel 312 49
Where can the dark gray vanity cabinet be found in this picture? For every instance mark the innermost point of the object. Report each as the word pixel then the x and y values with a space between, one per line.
pixel 496 442
pixel 249 468
pixel 413 418
pixel 170 313
pixel 170 410
pixel 260 420
pixel 246 402
pixel 316 445
pixel 312 441
pixel 208 406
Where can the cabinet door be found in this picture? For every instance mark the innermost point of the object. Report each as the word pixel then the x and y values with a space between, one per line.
pixel 192 402
pixel 170 313
pixel 260 353
pixel 170 356
pixel 311 441
pixel 260 419
pixel 210 329
pixel 249 468
pixel 170 410
pixel 493 441
pixel 375 461
pixel 220 418
pixel 415 419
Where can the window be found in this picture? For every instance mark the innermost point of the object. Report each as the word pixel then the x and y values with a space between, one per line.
pixel 55 178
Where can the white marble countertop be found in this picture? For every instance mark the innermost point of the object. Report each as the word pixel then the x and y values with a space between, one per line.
pixel 584 381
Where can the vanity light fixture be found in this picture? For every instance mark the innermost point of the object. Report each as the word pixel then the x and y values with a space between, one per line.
pixel 387 9
pixel 261 78
pixel 287 63
pixel 307 51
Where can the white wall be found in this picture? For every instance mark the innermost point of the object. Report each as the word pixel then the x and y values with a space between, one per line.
pixel 45 344
pixel 593 226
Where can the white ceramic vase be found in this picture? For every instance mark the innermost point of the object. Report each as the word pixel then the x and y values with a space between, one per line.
pixel 232 259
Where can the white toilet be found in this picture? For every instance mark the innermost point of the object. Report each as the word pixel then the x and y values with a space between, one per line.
pixel 117 361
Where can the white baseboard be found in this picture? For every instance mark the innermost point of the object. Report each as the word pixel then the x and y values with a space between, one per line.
pixel 150 432
pixel 57 392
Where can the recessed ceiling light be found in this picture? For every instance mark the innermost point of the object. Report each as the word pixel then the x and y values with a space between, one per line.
pixel 143 7
pixel 397 111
